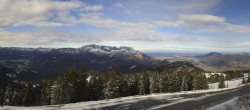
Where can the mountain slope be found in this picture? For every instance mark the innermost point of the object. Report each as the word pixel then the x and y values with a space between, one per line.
pixel 227 62
pixel 178 66
pixel 211 54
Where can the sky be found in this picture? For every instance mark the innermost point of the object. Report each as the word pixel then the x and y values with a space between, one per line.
pixel 147 25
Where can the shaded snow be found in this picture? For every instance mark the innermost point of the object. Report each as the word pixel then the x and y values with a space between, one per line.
pixel 132 67
pixel 88 79
pixel 237 103
pixel 228 105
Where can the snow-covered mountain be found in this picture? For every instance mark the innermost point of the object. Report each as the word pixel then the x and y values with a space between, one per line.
pixel 58 60
pixel 113 51
pixel 94 49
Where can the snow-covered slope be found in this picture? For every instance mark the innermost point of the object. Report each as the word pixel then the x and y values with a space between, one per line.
pixel 229 84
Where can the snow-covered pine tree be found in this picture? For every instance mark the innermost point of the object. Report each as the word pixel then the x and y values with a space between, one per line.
pixel 177 82
pixel 200 81
pixel 8 96
pixel 29 95
pixel 112 86
pixel 17 99
pixel 46 95
pixel 221 83
pixel 132 82
pixel 184 84
pixel 141 84
pixel 96 87
pixel 160 82
pixel 57 95
pixel 154 88
pixel 165 82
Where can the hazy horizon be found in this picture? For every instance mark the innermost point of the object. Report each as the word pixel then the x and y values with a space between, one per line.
pixel 146 51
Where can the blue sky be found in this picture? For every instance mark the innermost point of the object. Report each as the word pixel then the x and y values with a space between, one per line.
pixel 148 25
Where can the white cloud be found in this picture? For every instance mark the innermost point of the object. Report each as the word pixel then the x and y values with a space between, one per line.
pixel 99 21
pixel 40 12
pixel 204 23
pixel 166 24
pixel 92 8
pixel 192 6
pixel 237 28
pixel 201 19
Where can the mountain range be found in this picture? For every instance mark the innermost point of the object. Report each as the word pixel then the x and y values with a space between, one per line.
pixel 213 61
pixel 225 62
pixel 47 62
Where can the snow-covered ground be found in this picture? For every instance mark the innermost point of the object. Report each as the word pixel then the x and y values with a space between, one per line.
pixel 229 84
pixel 173 97
pixel 208 75
pixel 225 105
pixel 237 103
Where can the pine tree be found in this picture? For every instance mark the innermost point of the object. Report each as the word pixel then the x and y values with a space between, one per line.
pixel 81 86
pixel 29 95
pixel 176 83
pixel 160 82
pixel 95 88
pixel 1 97
pixel 112 86
pixel 221 83
pixel 141 84
pixel 243 81
pixel 46 95
pixel 17 99
pixel 132 83
pixel 154 88
pixel 8 96
pixel 184 84
pixel 200 81
pixel 166 82
pixel 190 81
pixel 56 91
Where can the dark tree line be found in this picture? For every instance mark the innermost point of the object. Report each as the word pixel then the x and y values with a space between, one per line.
pixel 78 86
pixel 19 97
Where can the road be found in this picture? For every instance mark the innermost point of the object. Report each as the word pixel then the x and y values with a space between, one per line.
pixel 197 102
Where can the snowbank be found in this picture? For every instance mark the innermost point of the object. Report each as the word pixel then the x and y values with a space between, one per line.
pixel 237 103
pixel 228 105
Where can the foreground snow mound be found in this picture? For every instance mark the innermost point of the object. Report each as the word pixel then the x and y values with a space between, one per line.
pixel 237 103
